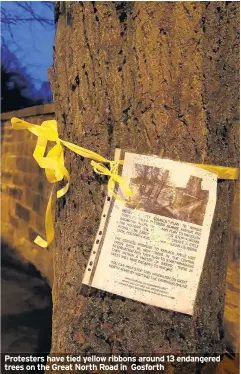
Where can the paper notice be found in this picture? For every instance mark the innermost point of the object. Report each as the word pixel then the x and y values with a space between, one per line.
pixel 152 247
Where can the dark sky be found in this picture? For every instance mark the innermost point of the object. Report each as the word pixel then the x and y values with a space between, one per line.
pixel 30 41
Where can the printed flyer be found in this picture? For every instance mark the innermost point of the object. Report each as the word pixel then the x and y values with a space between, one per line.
pixel 152 246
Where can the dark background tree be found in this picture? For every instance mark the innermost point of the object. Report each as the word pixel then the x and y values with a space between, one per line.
pixel 11 93
pixel 19 86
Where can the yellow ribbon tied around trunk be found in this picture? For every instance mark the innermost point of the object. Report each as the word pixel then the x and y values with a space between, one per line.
pixel 55 171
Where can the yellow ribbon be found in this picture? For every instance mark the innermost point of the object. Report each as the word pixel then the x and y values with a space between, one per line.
pixel 222 172
pixel 55 171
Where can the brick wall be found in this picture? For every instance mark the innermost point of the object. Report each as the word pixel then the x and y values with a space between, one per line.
pixel 25 189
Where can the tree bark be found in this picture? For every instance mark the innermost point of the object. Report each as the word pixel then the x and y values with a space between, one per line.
pixel 152 78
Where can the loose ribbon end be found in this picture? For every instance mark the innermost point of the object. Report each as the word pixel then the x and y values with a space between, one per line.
pixel 41 242
pixel 19 124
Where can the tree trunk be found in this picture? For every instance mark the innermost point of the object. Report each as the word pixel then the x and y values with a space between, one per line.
pixel 151 78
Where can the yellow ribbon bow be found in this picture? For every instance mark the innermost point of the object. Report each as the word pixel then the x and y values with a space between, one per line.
pixel 55 170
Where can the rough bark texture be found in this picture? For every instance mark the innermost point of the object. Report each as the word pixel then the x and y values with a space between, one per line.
pixel 149 77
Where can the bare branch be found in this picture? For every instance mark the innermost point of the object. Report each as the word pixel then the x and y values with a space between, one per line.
pixel 27 12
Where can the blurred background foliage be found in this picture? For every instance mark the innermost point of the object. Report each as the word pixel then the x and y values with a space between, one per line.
pixel 27 33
